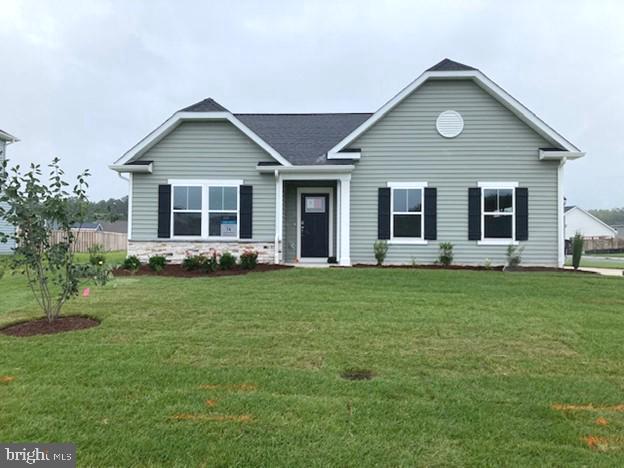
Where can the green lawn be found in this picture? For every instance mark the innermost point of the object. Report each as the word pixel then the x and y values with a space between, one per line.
pixel 588 261
pixel 614 255
pixel 467 367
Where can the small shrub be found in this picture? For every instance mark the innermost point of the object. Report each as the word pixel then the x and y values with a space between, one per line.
pixel 157 263
pixel 200 263
pixel 514 256
pixel 194 262
pixel 227 261
pixel 332 260
pixel 577 250
pixel 380 247
pixel 249 259
pixel 131 263
pixel 96 255
pixel 487 264
pixel 100 274
pixel 446 253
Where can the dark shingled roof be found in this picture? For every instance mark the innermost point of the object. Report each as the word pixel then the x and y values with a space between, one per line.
pixel 306 138
pixel 303 138
pixel 568 208
pixel 207 105
pixel 450 65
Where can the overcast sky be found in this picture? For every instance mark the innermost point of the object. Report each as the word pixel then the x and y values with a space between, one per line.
pixel 85 80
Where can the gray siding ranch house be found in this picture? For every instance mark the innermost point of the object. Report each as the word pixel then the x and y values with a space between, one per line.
pixel 451 158
pixel 6 228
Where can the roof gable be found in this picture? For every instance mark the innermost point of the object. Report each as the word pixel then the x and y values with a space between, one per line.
pixel 447 69
pixel 571 209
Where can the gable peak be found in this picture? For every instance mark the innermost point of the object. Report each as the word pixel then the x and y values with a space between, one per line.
pixel 450 65
pixel 206 105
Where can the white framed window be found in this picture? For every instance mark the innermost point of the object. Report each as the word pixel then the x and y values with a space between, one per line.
pixel 205 209
pixel 223 208
pixel 186 210
pixel 407 208
pixel 498 212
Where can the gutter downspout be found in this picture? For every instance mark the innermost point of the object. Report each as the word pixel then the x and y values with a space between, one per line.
pixel 560 215
pixel 129 180
pixel 278 214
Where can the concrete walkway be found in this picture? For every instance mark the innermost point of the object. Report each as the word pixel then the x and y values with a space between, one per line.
pixel 601 271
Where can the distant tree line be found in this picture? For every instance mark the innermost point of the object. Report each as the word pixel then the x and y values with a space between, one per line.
pixel 111 210
pixel 613 216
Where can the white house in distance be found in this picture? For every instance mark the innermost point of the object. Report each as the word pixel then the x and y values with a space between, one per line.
pixel 5 140
pixel 590 227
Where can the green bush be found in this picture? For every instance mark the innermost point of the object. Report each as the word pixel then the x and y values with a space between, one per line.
pixel 249 259
pixel 227 261
pixel 157 263
pixel 446 253
pixel 131 263
pixel 96 255
pixel 100 273
pixel 200 263
pixel 577 250
pixel 380 247
pixel 514 256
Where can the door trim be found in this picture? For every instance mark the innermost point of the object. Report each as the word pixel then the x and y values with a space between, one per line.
pixel 303 190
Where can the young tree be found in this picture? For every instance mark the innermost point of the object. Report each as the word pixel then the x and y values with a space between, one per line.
pixel 35 208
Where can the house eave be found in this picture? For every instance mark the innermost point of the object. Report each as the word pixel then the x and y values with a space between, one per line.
pixel 559 155
pixel 132 168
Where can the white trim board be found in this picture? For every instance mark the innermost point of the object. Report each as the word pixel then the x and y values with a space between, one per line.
pixel 515 106
pixel 176 119
pixel 313 190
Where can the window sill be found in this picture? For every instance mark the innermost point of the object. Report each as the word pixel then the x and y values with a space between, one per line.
pixel 407 242
pixel 497 242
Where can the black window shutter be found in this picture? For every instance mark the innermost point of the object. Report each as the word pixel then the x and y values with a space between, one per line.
pixel 383 213
pixel 164 211
pixel 431 213
pixel 522 213
pixel 474 213
pixel 246 211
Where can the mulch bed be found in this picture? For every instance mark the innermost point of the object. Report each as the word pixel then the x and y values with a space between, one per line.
pixel 177 270
pixel 477 268
pixel 43 327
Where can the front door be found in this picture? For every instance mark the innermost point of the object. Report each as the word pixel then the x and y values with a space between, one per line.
pixel 314 225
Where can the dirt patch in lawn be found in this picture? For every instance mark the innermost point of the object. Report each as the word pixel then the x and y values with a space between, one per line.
pixel 43 327
pixel 357 374
pixel 476 268
pixel 174 269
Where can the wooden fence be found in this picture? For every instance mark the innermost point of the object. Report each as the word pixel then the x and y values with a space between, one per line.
pixel 85 239
pixel 614 244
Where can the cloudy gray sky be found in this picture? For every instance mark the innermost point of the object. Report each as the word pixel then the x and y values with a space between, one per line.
pixel 85 80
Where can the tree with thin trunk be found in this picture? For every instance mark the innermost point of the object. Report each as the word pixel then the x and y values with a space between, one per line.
pixel 36 208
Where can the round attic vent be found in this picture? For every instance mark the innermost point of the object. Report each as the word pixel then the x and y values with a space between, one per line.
pixel 450 124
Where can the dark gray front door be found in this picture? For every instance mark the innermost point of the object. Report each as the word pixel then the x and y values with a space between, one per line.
pixel 314 225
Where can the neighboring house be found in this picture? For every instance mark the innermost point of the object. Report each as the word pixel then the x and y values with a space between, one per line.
pixel 87 227
pixel 451 158
pixel 590 227
pixel 120 227
pixel 5 140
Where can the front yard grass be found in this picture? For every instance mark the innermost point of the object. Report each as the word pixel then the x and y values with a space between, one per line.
pixel 245 370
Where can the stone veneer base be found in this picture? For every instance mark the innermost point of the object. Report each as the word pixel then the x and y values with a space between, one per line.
pixel 176 251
